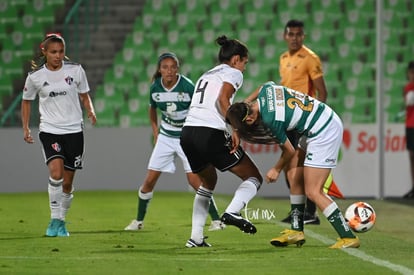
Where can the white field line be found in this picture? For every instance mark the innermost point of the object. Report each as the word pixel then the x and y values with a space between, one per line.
pixel 351 251
pixel 362 255
pixel 47 257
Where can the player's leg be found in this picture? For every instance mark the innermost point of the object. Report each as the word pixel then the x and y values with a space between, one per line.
pixel 293 137
pixel 314 180
pixel 325 146
pixel 195 182
pixel 197 146
pixel 145 195
pixel 201 203
pixel 52 152
pixel 56 180
pixel 161 160
pixel 66 201
pixel 295 234
pixel 246 170
pixel 73 149
pixel 216 224
pixel 311 214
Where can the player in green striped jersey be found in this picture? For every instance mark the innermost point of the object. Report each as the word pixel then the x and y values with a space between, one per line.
pixel 278 109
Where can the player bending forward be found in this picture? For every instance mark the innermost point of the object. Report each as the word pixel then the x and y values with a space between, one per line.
pixel 275 111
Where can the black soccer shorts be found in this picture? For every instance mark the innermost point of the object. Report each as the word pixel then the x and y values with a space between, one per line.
pixel 69 147
pixel 204 145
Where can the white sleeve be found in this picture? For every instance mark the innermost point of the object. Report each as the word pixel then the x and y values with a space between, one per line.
pixel 29 90
pixel 83 85
pixel 234 77
pixel 409 98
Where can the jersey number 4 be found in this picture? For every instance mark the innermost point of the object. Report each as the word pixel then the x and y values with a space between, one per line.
pixel 201 90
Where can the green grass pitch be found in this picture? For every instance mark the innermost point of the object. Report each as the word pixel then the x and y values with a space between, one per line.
pixel 98 244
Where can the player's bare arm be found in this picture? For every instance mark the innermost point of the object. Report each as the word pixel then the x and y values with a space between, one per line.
pixel 153 117
pixel 253 96
pixel 226 92
pixel 87 104
pixel 25 113
pixel 320 87
pixel 288 151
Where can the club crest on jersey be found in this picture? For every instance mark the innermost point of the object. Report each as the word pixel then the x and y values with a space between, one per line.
pixel 69 80
pixel 56 147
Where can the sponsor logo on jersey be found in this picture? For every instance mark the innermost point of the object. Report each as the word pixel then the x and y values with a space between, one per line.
pixel 270 100
pixel 54 94
pixel 56 147
pixel 45 84
pixel 69 80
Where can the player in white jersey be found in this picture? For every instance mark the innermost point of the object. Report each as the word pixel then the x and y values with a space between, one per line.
pixel 208 145
pixel 171 93
pixel 61 86
pixel 279 110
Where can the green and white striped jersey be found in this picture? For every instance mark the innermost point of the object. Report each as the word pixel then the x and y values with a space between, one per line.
pixel 172 103
pixel 283 109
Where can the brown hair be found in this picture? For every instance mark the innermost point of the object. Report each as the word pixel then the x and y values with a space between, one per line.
pixel 40 59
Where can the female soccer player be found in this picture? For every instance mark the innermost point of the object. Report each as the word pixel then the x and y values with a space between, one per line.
pixel 59 84
pixel 171 93
pixel 280 109
pixel 208 146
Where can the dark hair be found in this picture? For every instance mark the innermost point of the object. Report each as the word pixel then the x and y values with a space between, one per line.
pixel 256 133
pixel 163 56
pixel 40 59
pixel 236 115
pixel 294 23
pixel 229 48
pixel 410 65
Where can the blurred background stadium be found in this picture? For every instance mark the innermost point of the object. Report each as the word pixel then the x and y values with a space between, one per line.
pixel 118 41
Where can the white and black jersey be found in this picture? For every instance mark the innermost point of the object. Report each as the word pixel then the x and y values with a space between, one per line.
pixel 58 91
pixel 204 110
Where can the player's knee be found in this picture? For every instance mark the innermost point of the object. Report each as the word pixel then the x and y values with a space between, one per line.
pixel 312 194
pixel 256 181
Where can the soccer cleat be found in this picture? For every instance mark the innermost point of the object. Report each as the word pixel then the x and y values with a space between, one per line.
pixel 134 226
pixel 216 225
pixel 53 228
pixel 62 232
pixel 237 220
pixel 191 243
pixel 346 243
pixel 289 237
pixel 311 219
